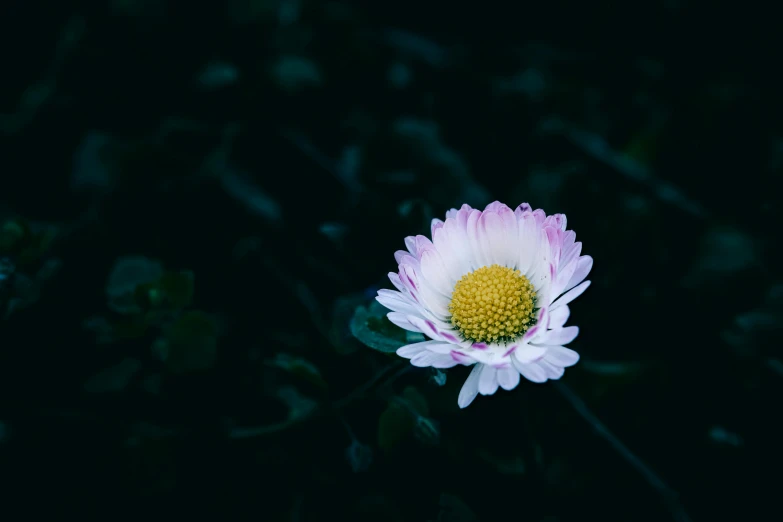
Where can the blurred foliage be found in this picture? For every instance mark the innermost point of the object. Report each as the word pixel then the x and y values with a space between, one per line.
pixel 199 203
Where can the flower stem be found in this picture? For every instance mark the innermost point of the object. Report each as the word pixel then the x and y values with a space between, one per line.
pixel 669 495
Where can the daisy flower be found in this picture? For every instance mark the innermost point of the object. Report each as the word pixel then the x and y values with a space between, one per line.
pixel 490 290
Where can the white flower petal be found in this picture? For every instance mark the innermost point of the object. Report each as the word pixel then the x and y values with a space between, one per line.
pixel 401 255
pixel 559 336
pixel 434 270
pixel 527 353
pixel 476 239
pixel 462 358
pixel 436 224
pixel 395 279
pixel 463 214
pixel 554 240
pixel 499 236
pixel 562 278
pixel 584 265
pixel 488 380
pixel 470 388
pixel 508 378
pixel 571 249
pixel 541 277
pixel 397 302
pixel 543 317
pixel 454 255
pixel 427 358
pixel 402 321
pixel 444 361
pixel 561 356
pixel 435 330
pixel 528 243
pixel 431 346
pixel 456 237
pixel 552 372
pixel 530 371
pixel 435 302
pixel 410 244
pixel 412 350
pixel 559 316
pixel 569 296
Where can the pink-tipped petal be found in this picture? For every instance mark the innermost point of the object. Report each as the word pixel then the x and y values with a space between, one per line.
pixel 522 208
pixel 496 206
pixel 543 317
pixel 532 333
pixel 422 242
pixel 435 330
pixel 400 255
pixel 410 244
pixel 562 278
pixel 557 221
pixel 461 358
pixel 555 240
pixel 395 280
pixel 584 265
pixel 571 249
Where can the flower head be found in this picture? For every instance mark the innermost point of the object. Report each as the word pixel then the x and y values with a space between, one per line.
pixel 490 289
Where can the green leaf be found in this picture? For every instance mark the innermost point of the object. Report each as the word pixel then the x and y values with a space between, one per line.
pixel 340 333
pixel 12 233
pixel 170 291
pixel 126 276
pixel 416 401
pixel 372 328
pixel 299 367
pixel 178 288
pixel 405 412
pixel 394 425
pixel 190 343
pixel 299 406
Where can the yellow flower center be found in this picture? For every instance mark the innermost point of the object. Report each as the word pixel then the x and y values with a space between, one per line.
pixel 492 304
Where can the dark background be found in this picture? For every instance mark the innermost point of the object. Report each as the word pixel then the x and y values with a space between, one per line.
pixel 273 154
